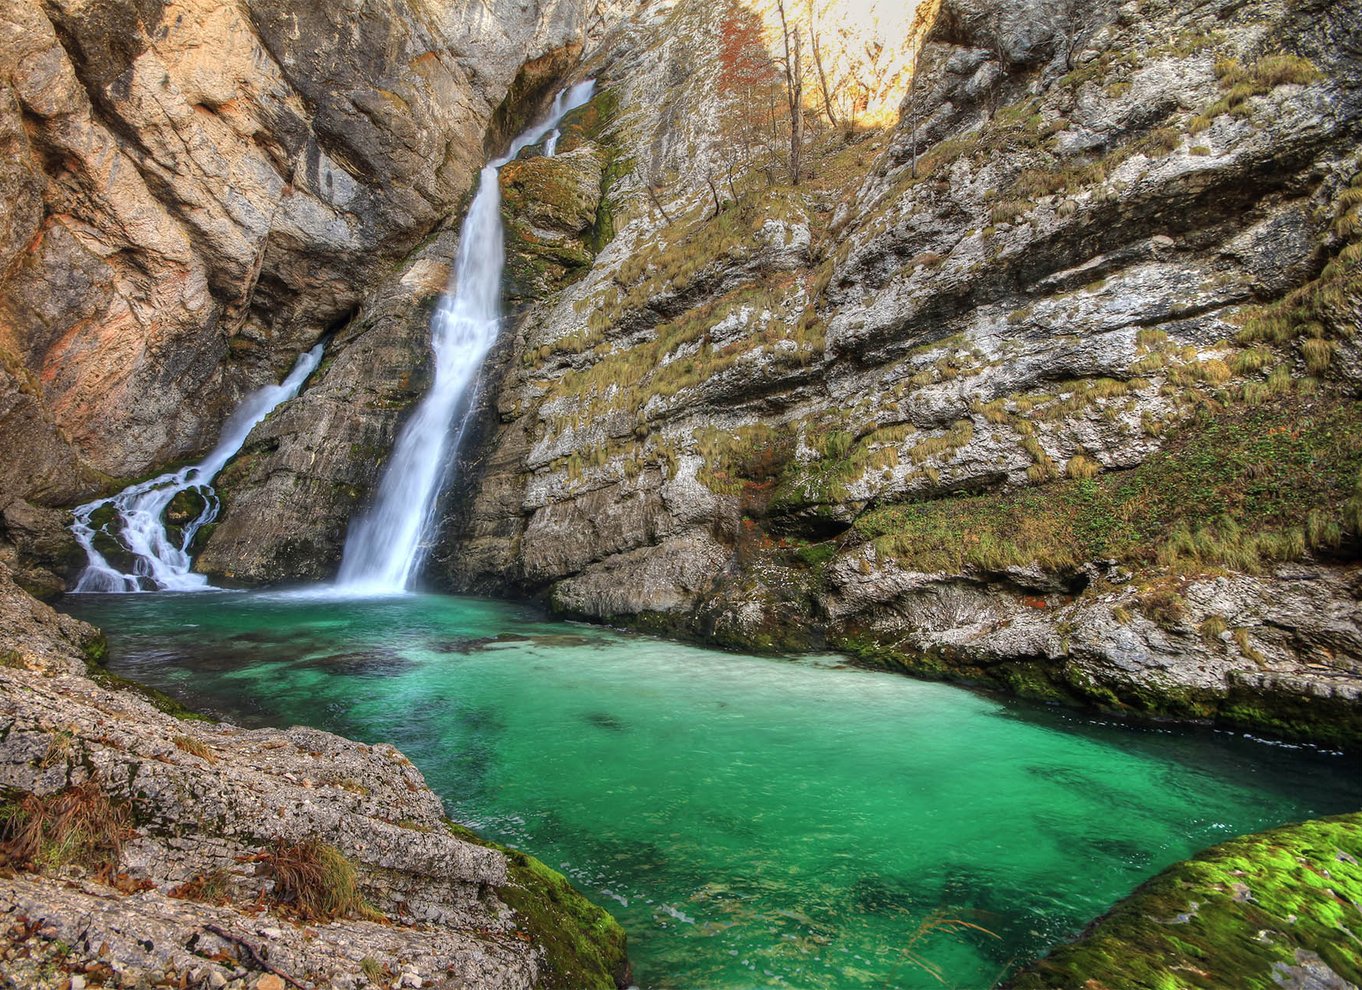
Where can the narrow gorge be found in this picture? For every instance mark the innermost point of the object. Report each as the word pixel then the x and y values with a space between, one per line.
pixel 609 404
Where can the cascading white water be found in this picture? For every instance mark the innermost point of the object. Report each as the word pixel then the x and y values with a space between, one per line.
pixel 137 522
pixel 384 549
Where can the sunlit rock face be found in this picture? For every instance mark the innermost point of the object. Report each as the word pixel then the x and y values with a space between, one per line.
pixel 862 49
pixel 196 192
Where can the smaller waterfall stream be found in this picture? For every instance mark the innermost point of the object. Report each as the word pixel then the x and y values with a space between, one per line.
pixel 136 520
pixel 384 548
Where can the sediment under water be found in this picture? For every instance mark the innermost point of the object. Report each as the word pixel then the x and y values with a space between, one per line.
pixel 752 822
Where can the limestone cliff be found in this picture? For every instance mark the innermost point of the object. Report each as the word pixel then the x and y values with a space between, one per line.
pixel 196 192
pixel 1052 386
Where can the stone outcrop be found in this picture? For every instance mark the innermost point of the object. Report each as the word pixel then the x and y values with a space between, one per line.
pixel 187 889
pixel 1273 909
pixel 552 208
pixel 1022 391
pixel 197 192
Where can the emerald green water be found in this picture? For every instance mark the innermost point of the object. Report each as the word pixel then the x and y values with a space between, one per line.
pixel 752 822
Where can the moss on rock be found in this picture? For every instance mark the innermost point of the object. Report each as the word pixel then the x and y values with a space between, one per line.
pixel 550 207
pixel 1256 913
pixel 96 652
pixel 1234 489
pixel 584 947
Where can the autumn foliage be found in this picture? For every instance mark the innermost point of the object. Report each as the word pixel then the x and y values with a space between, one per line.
pixel 744 65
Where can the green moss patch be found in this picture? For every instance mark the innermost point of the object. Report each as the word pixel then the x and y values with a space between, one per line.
pixel 584 947
pixel 1246 914
pixel 1236 489
pixel 95 652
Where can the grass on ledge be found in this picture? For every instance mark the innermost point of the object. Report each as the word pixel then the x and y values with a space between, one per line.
pixel 1237 490
pixel 316 882
pixel 78 826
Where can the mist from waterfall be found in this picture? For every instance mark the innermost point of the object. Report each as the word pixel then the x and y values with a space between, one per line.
pixel 136 521
pixel 385 548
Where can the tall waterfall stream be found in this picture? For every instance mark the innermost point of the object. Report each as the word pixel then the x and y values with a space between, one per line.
pixel 384 549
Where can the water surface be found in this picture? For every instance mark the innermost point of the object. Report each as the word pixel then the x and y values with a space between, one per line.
pixel 752 822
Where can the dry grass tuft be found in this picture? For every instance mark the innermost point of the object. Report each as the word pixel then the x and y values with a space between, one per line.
pixel 1211 627
pixel 1245 643
pixel 194 747
pixel 1082 467
pixel 211 887
pixel 79 826
pixel 316 882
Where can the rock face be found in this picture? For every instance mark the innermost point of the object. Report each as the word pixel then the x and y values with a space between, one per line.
pixel 196 192
pixel 1271 909
pixel 196 815
pixel 1052 386
pixel 552 208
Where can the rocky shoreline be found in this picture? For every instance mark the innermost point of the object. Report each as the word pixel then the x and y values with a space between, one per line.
pixel 144 846
pixel 181 885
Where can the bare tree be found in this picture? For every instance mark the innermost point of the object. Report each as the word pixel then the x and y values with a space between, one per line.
pixel 652 188
pixel 991 30
pixel 1068 28
pixel 794 92
pixel 714 192
pixel 822 73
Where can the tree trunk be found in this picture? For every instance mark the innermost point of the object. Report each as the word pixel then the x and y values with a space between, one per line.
pixel 796 115
pixel 822 79
pixel 794 93
pixel 913 117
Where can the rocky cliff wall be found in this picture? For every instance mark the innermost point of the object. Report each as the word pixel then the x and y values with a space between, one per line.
pixel 1052 386
pixel 196 192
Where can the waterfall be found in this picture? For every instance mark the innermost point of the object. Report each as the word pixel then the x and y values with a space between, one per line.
pixel 384 548
pixel 135 519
